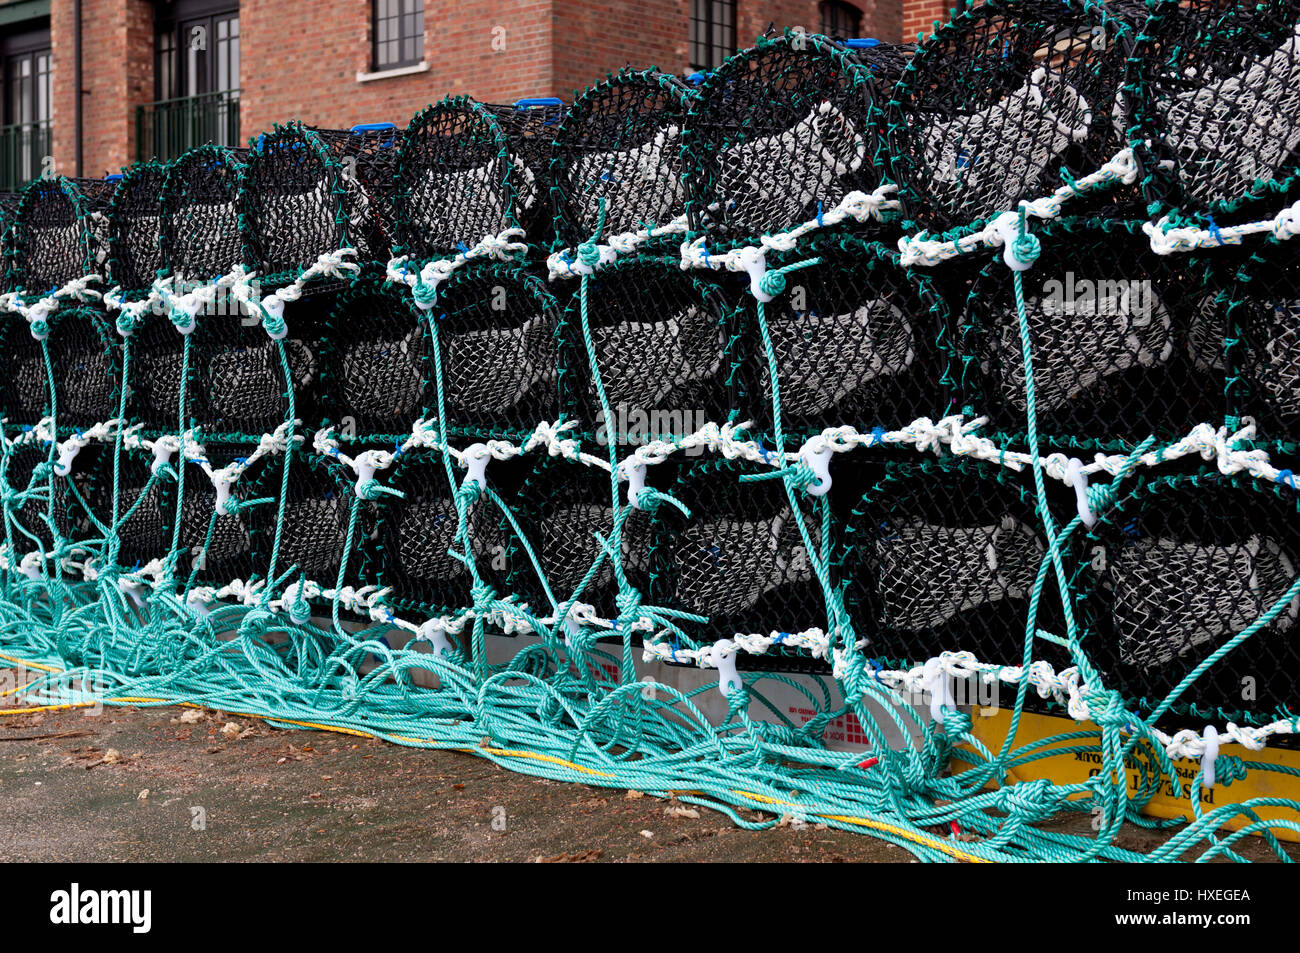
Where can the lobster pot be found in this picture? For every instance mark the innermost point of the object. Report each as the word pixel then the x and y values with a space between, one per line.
pixel 157 370
pixel 739 559
pixel 857 340
pixel 779 133
pixel 1215 101
pixel 1002 100
pixel 375 361
pixel 86 366
pixel 301 196
pixel 237 380
pixel 28 519
pixel 1177 569
pixel 1126 343
pixel 561 506
pixel 416 535
pixel 145 510
pixel 217 548
pixel 619 150
pixel 368 154
pixel 529 126
pixel 135 227
pixel 8 211
pixel 943 557
pixel 313 514
pixel 668 349
pixel 496 331
pixel 59 233
pixel 200 213
pixel 458 180
pixel 1264 315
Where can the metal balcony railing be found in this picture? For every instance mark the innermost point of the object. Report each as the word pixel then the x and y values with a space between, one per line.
pixel 165 129
pixel 24 152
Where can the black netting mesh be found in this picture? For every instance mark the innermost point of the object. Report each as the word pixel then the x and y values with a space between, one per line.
pixel 315 513
pixel 1126 343
pixel 1002 101
pixel 368 154
pixel 560 506
pixel 858 340
pixel 200 213
pixel 375 361
pixel 1177 569
pixel 529 127
pixel 739 559
pixel 146 510
pixel 619 149
pixel 416 534
pixel 457 180
pixel 496 332
pixel 1264 322
pixel 301 196
pixel 943 557
pixel 228 553
pixel 1216 104
pixel 669 348
pixel 25 384
pixel 779 133
pixel 49 500
pixel 135 227
pixel 60 232
pixel 237 382
pixel 87 367
pixel 157 366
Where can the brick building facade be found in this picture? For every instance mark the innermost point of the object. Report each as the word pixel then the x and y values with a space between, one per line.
pixel 157 75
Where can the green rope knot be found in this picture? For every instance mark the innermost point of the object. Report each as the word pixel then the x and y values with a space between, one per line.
pixel 629 604
pixel 482 595
pixel 274 325
pixel 1229 768
pixel 127 323
pixel 425 294
pixel 372 490
pixel 589 254
pixel 772 283
pixel 1106 708
pixel 40 329
pixel 1026 249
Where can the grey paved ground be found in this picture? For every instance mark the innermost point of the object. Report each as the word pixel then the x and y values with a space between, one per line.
pixel 73 788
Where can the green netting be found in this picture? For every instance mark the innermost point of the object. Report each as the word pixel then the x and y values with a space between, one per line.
pixel 440 500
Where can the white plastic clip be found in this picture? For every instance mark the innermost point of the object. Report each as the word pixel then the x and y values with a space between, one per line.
pixel 1079 480
pixel 935 681
pixel 1210 755
pixel 67 453
pixel 274 306
pixel 197 604
pixel 298 607
pixel 221 485
pixel 816 455
pixel 475 460
pixel 435 634
pixel 30 566
pixel 754 261
pixel 635 482
pixel 190 305
pixel 131 590
pixel 728 678
pixel 1007 225
pixel 365 470
pixel 162 454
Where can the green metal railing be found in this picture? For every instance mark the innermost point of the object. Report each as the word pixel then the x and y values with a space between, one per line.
pixel 165 129
pixel 24 149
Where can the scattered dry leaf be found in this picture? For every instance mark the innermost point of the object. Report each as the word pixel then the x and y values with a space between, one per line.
pixel 191 715
pixel 143 795
pixel 682 812
pixel 112 756
pixel 230 730
pixel 634 795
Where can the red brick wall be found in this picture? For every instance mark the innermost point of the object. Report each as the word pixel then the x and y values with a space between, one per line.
pixel 312 72
pixel 117 75
pixel 300 58
pixel 919 16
